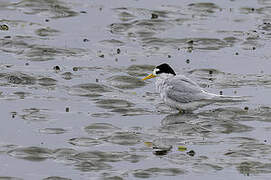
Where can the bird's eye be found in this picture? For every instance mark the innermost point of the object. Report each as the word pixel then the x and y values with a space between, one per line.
pixel 156 71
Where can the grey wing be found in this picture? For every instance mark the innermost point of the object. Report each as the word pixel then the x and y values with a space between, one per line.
pixel 184 90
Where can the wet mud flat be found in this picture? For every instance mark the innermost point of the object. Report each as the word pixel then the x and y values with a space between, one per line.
pixel 73 105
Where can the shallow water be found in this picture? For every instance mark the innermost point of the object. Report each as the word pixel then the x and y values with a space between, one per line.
pixel 73 104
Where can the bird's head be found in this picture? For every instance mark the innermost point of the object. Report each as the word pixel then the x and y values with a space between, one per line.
pixel 163 69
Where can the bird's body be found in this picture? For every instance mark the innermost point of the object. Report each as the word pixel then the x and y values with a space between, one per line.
pixel 181 93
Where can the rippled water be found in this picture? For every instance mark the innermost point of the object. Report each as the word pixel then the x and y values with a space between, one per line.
pixel 73 104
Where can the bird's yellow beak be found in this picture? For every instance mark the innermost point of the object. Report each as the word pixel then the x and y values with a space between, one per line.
pixel 149 77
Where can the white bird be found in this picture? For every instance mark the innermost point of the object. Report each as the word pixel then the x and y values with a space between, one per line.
pixel 181 93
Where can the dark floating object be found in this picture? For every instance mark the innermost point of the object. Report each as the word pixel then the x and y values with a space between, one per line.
pixel 57 68
pixel 13 114
pixel 210 72
pixel 7 37
pixel 75 68
pixel 169 56
pixel 4 27
pixel 253 48
pixel 190 49
pixel 85 40
pixel 221 92
pixel 191 153
pixel 101 56
pixel 27 64
pixel 97 80
pixel 47 20
pixel 190 42
pixel 154 16
pixel 67 109
pixel 187 61
pixel 236 53
pixel 246 108
pixel 118 51
pixel 160 152
pixel 83 12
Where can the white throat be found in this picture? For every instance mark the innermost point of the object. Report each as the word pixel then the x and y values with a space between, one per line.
pixel 161 80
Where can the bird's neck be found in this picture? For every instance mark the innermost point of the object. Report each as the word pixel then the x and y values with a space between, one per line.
pixel 165 76
pixel 161 81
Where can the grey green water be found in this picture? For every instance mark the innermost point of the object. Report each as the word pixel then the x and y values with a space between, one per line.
pixel 73 105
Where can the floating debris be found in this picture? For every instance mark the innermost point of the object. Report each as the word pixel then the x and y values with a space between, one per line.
pixel 56 68
pixel 13 114
pixel 148 144
pixel 246 108
pixel 47 20
pixel 191 153
pixel 187 61
pixel 101 55
pixel 75 68
pixel 161 150
pixel 190 42
pixel 190 49
pixel 118 51
pixel 67 109
pixel 236 53
pixel 221 92
pixel 4 27
pixel 83 12
pixel 154 16
pixel 85 40
pixel 182 148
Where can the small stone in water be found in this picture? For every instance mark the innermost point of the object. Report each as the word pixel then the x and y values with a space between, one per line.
pixel 190 42
pixel 4 27
pixel 154 16
pixel 191 153
pixel 75 68
pixel 182 148
pixel 57 68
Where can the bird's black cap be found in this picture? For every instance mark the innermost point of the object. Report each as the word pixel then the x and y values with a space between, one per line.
pixel 165 68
